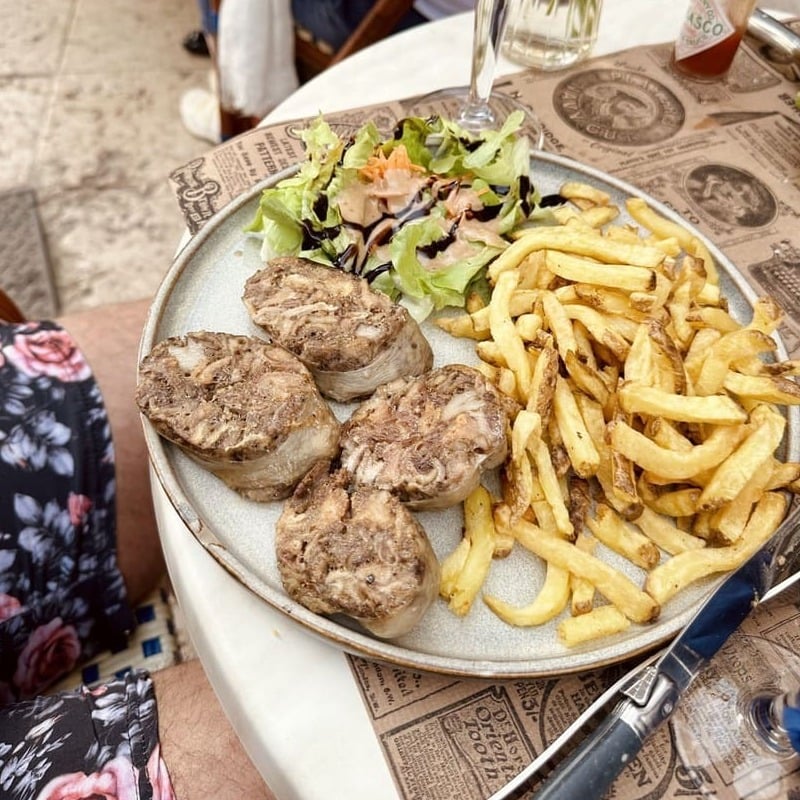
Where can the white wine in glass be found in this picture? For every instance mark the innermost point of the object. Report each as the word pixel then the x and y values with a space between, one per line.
pixel 478 107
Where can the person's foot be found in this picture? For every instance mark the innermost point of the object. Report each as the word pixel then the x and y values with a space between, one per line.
pixel 199 109
pixel 195 43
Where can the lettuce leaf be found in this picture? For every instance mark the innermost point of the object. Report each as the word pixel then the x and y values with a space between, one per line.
pixel 300 216
pixel 423 290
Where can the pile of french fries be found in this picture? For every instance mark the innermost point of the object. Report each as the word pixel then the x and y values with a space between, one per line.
pixel 649 419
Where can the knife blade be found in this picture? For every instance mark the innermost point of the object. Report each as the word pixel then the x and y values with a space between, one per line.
pixel 774 33
pixel 590 770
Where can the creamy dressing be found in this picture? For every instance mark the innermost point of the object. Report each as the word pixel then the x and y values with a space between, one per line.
pixel 373 212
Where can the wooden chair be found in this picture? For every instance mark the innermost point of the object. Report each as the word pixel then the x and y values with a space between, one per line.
pixel 312 57
pixel 9 312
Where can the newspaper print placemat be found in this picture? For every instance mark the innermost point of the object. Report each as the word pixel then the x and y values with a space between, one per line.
pixel 727 157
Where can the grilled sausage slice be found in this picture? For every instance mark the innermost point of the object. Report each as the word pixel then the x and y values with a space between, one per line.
pixel 352 338
pixel 246 409
pixel 428 439
pixel 355 551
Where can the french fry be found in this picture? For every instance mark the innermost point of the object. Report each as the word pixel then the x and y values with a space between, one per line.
pixel 543 383
pixel 578 242
pixel 585 345
pixel 559 324
pixel 666 534
pixel 598 623
pixel 506 335
pixel 658 332
pixel 580 501
pixel 451 567
pixel 684 568
pixel 549 602
pixel 729 348
pixel 461 588
pixel 551 488
pixel 733 473
pixel 664 433
pixel 491 353
pixel 507 383
pixel 461 326
pixel 601 328
pixel 666 229
pixel 767 315
pixel 528 326
pixel 717 319
pixel 503 537
pixel 782 475
pixel 582 590
pixel 522 301
pixel 582 453
pixel 755 366
pixel 587 379
pixel 607 301
pixel 620 537
pixel 527 426
pixel 616 587
pixel 729 521
pixel 676 503
pixel 597 216
pixel 670 464
pixel 613 276
pixel 763 389
pixel 713 409
pixel 613 474
pixel 623 485
pixel 578 190
pixel 639 367
pixel 698 350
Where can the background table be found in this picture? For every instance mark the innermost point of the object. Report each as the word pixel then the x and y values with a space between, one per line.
pixel 319 742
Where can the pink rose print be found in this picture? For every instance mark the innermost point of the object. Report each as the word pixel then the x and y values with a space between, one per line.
pixel 51 353
pixel 51 651
pixel 159 777
pixel 9 606
pixel 78 505
pixel 115 781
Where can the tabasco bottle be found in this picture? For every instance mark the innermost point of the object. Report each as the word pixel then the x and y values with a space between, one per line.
pixel 710 37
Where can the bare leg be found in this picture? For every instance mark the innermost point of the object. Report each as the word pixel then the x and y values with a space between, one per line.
pixel 109 338
pixel 202 753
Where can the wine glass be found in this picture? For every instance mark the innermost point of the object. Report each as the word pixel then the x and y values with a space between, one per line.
pixel 737 722
pixel 477 107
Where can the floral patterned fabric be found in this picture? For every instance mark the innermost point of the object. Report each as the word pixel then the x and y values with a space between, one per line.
pixel 62 597
pixel 92 743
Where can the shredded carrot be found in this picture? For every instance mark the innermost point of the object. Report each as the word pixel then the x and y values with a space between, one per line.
pixel 378 165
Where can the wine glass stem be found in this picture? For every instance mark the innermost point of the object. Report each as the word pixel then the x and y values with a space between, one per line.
pixel 490 23
pixel 766 720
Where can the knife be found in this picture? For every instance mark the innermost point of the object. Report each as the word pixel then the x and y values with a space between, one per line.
pixel 775 33
pixel 622 685
pixel 590 770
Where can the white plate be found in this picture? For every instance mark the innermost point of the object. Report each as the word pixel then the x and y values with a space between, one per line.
pixel 202 291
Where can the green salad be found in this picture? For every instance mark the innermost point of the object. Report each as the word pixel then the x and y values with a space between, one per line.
pixel 419 215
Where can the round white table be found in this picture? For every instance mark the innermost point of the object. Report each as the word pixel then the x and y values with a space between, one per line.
pixel 319 742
